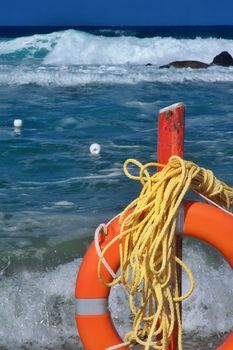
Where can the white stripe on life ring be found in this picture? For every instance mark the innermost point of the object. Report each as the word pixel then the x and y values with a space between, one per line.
pixel 97 306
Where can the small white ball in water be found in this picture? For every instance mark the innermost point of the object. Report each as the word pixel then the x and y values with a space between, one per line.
pixel 95 148
pixel 18 123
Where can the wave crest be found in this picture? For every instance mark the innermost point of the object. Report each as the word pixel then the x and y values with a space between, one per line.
pixel 77 48
pixel 73 47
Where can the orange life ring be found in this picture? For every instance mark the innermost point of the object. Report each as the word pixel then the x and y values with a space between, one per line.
pixel 95 327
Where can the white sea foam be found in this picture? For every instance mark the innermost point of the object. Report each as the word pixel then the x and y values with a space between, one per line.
pixel 38 308
pixel 78 76
pixel 64 204
pixel 209 310
pixel 115 173
pixel 75 47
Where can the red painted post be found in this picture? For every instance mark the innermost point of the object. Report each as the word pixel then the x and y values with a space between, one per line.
pixel 171 132
pixel 171 126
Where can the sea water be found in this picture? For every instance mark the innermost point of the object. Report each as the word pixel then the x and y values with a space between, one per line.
pixel 72 88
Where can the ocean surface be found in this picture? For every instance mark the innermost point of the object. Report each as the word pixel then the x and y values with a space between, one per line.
pixel 75 87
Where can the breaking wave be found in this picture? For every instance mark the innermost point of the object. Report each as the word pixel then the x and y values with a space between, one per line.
pixel 72 58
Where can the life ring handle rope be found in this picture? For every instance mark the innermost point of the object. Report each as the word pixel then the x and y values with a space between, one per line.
pixel 103 227
pixel 118 346
pixel 213 203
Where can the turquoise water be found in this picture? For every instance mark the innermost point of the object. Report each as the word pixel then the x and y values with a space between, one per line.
pixel 71 89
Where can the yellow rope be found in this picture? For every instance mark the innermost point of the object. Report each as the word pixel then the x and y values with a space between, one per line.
pixel 147 247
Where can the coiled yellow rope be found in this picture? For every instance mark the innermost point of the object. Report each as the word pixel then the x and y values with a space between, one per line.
pixel 147 246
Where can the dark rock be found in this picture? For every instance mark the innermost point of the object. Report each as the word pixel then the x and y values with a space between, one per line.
pixel 223 59
pixel 186 64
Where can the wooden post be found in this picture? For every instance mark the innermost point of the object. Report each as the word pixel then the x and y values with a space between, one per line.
pixel 171 132
pixel 171 126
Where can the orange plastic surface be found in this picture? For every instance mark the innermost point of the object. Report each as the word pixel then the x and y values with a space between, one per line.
pixel 228 343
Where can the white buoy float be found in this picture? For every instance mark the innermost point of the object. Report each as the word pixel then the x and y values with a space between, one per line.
pixel 95 148
pixel 18 123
